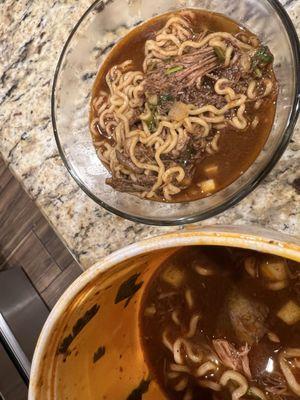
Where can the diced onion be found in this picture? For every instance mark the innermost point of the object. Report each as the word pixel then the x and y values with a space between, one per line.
pixel 289 313
pixel 208 186
pixel 279 285
pixel 150 311
pixel 211 170
pixel 174 276
pixel 179 111
pixel 153 99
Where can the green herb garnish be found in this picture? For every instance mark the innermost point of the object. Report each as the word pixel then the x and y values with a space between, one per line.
pixel 152 124
pixel 152 107
pixel 262 57
pixel 165 97
pixel 173 70
pixel 219 53
pixel 258 73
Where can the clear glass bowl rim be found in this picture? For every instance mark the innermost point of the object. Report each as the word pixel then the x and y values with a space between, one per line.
pixel 295 45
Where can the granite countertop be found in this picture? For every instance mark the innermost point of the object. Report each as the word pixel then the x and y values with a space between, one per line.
pixel 32 34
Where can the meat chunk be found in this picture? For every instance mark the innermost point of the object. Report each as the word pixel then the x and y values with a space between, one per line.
pixel 275 384
pixel 144 153
pixel 181 72
pixel 247 316
pixel 188 152
pixel 233 73
pixel 259 356
pixel 202 96
pixel 125 160
pixel 125 184
pixel 231 357
pixel 181 146
pixel 134 118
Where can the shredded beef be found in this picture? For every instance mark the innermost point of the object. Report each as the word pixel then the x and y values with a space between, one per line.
pixel 181 147
pixel 125 160
pixel 232 73
pixel 191 153
pixel 182 85
pixel 195 64
pixel 201 96
pixel 134 120
pixel 276 385
pixel 125 184
pixel 143 153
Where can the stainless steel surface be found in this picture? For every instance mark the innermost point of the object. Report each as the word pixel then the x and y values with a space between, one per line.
pixel 22 315
pixel 13 348
pixel 22 308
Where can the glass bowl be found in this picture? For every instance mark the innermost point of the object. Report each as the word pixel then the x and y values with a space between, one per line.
pixel 104 23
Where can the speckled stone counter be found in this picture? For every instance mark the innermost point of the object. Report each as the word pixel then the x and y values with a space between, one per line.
pixel 32 34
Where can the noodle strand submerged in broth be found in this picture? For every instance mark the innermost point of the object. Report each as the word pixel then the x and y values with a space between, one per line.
pixel 163 128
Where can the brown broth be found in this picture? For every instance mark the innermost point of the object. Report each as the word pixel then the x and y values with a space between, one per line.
pixel 237 149
pixel 211 294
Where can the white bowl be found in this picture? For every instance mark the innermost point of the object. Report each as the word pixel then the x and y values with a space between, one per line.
pixel 78 377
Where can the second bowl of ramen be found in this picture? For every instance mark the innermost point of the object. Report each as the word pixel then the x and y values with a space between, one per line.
pixel 211 314
pixel 183 111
